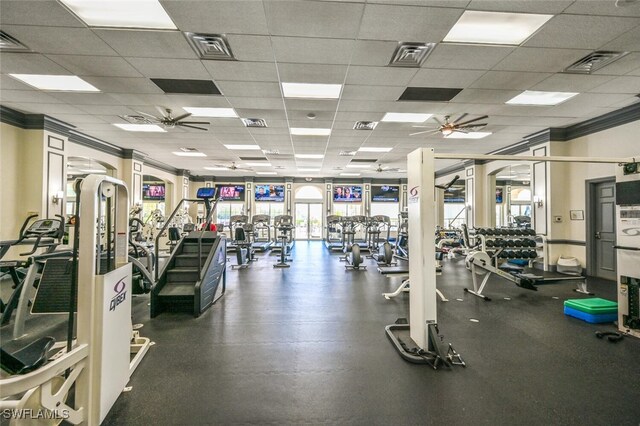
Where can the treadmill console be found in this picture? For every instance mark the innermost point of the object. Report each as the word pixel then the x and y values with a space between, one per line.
pixel 44 227
pixel 206 193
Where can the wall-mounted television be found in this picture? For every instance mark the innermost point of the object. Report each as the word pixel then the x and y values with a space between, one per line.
pixel 230 192
pixel 385 193
pixel 499 196
pixel 270 193
pixel 351 193
pixel 153 191
pixel 455 194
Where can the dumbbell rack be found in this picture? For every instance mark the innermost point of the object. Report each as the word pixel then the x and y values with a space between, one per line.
pixel 504 244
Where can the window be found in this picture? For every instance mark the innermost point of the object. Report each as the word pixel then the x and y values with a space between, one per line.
pixel 271 209
pixel 308 192
pixel 227 209
pixel 344 209
pixel 454 215
pixel 388 209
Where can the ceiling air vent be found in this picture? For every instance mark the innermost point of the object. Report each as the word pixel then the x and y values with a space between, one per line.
pixel 411 55
pixel 9 43
pixel 210 46
pixel 594 61
pixel 365 125
pixel 189 149
pixel 137 119
pixel 347 153
pixel 364 160
pixel 253 158
pixel 270 152
pixel 254 122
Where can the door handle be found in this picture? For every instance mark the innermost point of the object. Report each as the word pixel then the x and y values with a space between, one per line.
pixel 598 236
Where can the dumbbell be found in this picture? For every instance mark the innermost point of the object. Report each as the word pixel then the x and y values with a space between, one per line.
pixel 498 243
pixel 517 254
pixel 518 243
pixel 490 243
pixel 531 243
pixel 479 231
pixel 531 232
pixel 504 254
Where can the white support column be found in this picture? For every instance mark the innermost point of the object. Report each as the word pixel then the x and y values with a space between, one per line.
pixel 422 268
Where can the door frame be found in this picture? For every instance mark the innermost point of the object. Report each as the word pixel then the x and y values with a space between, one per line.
pixel 590 222
pixel 308 203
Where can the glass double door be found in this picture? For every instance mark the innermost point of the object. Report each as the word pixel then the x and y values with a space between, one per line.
pixel 308 217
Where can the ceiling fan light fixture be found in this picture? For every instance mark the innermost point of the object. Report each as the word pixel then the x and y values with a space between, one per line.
pixel 447 131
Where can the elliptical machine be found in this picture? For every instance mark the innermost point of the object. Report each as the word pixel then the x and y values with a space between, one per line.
pixel 351 250
pixel 381 253
pixel 242 239
pixel 284 225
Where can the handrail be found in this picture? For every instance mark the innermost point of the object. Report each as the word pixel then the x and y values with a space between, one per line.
pixel 455 218
pixel 207 224
pixel 164 228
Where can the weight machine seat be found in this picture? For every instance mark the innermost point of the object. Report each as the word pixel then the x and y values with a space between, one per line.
pixel 28 358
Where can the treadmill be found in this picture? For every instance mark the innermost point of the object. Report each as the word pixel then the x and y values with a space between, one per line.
pixel 277 237
pixel 333 239
pixel 261 232
pixel 235 221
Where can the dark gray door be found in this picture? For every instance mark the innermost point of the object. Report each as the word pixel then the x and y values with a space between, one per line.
pixel 604 232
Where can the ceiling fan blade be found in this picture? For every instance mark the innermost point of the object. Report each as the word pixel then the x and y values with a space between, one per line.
pixel 429 132
pixel 471 126
pixel 460 118
pixel 460 130
pixel 191 127
pixel 153 117
pixel 440 123
pixel 394 169
pixel 193 122
pixel 473 120
pixel 181 117
pixel 164 112
pixel 425 127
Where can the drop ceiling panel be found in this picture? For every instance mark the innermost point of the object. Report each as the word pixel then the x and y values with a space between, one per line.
pixel 41 108
pixel 28 96
pixel 630 41
pixel 41 12
pixel 124 85
pixel 535 59
pixel 377 93
pixel 625 84
pixel 537 6
pixel 314 124
pixel 581 32
pixel 373 53
pixel 469 57
pixel 249 89
pixel 170 68
pixel 301 116
pixel 311 105
pixel 509 80
pixel 251 47
pixel 29 63
pixel 256 102
pixel 485 96
pixel 80 119
pixel 242 71
pixel 607 7
pixel 267 114
pixel 312 50
pixel 622 66
pixel 445 78
pixel 313 19
pixel 571 83
pixel 380 76
pixel 85 98
pixel 148 44
pixel 100 66
pixel 312 73
pixel 77 41
pixel 407 23
pixel 218 17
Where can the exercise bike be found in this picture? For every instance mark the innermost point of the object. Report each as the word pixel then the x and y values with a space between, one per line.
pixel 242 240
pixel 381 253
pixel 284 225
pixel 351 250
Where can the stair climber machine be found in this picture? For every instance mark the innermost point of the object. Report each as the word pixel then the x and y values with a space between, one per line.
pixel 381 253
pixel 278 241
pixel 141 256
pixel 284 228
pixel 351 250
pixel 193 278
pixel 628 248
pixel 261 232
pixel 236 221
pixel 79 381
pixel 16 256
pixel 242 240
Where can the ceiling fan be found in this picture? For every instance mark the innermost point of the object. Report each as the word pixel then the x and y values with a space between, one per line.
pixel 231 167
pixel 381 169
pixel 458 125
pixel 166 119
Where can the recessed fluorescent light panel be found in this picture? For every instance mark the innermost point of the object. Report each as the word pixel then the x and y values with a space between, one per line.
pixel 310 156
pixel 373 149
pixel 266 173
pixel 211 112
pixel 215 168
pixel 311 91
pixel 121 14
pixel 243 147
pixel 470 135
pixel 530 97
pixel 101 171
pixel 140 127
pixel 403 117
pixel 358 166
pixel 495 27
pixel 258 164
pixel 309 131
pixel 349 174
pixel 305 169
pixel 64 83
pixel 189 154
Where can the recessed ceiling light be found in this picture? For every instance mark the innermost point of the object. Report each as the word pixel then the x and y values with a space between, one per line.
pixel 189 154
pixel 211 112
pixel 402 117
pixel 373 149
pixel 349 174
pixel 358 166
pixel 266 173
pixel 470 135
pixel 530 97
pixel 139 127
pixel 215 168
pixel 310 156
pixel 243 147
pixel 309 131
pixel 265 164
pixel 495 27
pixel 68 83
pixel 306 169
pixel 93 170
pixel 311 91
pixel 125 14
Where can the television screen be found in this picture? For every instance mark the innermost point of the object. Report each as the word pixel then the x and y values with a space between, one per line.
pixel 205 193
pixel 455 194
pixel 153 191
pixel 628 193
pixel 230 192
pixel 499 195
pixel 270 193
pixel 385 193
pixel 347 193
